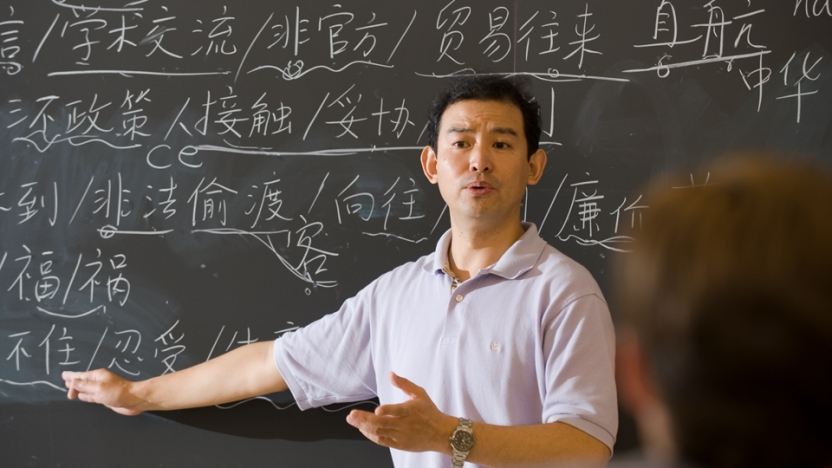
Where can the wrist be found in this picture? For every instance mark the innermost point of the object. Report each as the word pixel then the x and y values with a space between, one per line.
pixel 446 428
pixel 139 395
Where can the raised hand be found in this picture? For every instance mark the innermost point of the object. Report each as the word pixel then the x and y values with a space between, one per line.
pixel 415 425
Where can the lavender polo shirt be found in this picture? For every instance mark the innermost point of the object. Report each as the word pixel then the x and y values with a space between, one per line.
pixel 527 340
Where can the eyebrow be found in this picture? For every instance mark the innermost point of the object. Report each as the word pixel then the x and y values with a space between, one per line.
pixel 500 130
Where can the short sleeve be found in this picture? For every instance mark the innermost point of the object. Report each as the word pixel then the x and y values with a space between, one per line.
pixel 330 360
pixel 579 348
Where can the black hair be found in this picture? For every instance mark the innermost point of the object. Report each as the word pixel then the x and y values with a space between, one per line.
pixel 488 88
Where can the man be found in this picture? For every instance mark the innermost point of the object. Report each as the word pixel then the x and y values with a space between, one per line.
pixel 496 348
pixel 725 359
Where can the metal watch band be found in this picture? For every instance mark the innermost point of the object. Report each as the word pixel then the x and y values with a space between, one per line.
pixel 459 459
pixel 464 430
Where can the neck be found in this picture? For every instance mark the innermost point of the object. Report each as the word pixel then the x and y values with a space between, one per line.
pixel 473 249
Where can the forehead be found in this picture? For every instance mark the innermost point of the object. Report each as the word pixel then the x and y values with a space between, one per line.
pixel 471 114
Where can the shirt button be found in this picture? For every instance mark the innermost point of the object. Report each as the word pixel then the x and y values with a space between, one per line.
pixel 459 297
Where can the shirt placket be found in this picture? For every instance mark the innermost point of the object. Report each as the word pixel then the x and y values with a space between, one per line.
pixel 457 305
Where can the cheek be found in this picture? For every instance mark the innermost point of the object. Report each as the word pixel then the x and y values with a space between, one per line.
pixel 450 169
pixel 523 175
pixel 445 184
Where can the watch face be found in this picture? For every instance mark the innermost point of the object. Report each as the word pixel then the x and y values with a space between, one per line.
pixel 462 441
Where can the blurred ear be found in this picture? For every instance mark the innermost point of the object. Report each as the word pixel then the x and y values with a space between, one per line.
pixel 537 163
pixel 639 395
pixel 636 386
pixel 429 164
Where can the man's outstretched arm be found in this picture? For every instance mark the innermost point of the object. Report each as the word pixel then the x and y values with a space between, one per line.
pixel 243 373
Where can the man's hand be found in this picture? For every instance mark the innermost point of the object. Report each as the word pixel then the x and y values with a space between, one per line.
pixel 415 425
pixel 103 387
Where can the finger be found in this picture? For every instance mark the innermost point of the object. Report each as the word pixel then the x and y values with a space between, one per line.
pixel 69 375
pixel 408 387
pixel 364 419
pixel 399 410
pixel 364 422
pixel 71 382
pixel 369 422
pixel 369 435
pixel 71 392
pixel 81 386
pixel 356 418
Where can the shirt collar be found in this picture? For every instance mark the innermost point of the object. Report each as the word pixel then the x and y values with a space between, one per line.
pixel 518 259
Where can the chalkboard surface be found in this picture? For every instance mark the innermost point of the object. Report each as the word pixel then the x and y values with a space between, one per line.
pixel 181 178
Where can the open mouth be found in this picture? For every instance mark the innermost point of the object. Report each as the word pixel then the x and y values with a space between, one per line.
pixel 479 188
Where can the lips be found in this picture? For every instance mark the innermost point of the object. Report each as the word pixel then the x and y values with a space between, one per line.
pixel 478 187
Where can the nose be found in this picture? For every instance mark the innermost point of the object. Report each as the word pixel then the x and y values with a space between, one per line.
pixel 479 160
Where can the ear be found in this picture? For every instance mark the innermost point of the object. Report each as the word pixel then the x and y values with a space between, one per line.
pixel 634 378
pixel 537 163
pixel 429 164
pixel 639 395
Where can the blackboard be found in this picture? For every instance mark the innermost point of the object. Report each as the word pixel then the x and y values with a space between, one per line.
pixel 180 178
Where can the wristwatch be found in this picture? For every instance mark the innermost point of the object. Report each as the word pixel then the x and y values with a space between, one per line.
pixel 461 442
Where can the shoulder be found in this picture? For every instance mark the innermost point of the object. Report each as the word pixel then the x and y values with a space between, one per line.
pixel 547 269
pixel 563 274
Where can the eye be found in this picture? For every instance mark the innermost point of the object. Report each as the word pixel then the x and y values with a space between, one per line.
pixel 501 145
pixel 458 144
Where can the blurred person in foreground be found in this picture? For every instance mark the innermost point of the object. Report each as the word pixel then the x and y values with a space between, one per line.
pixel 725 344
